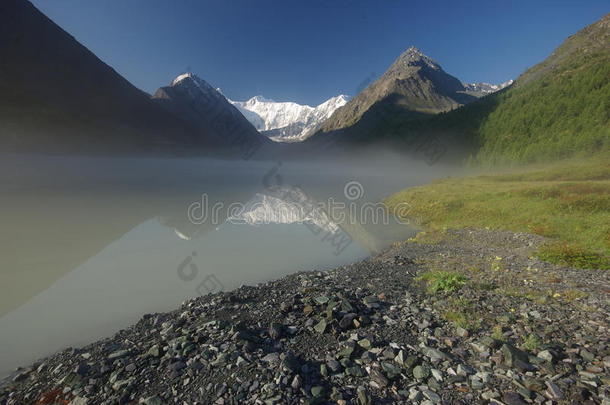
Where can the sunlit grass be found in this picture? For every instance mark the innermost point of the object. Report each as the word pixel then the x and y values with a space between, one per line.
pixel 568 202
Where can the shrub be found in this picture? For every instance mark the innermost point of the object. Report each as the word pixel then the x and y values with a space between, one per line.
pixel 443 281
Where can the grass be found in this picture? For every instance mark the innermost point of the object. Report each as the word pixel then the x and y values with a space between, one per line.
pixel 531 342
pixel 442 281
pixel 568 202
pixel 462 312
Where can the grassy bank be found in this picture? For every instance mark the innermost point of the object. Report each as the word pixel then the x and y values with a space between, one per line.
pixel 569 202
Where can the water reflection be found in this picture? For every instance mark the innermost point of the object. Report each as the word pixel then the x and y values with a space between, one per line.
pixel 86 254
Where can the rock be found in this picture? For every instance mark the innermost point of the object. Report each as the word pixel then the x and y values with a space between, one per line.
pixel 154 400
pixel 546 356
pixel 317 391
pixel 390 369
pixel 511 354
pixel 363 396
pixel 421 372
pixel 276 330
pixel 297 382
pixel 513 398
pixel 461 332
pixel 79 401
pixel 378 378
pixel 118 354
pixel 272 358
pixel 553 391
pixel 465 370
pixel 365 344
pixel 431 395
pixel 434 354
pixel 320 326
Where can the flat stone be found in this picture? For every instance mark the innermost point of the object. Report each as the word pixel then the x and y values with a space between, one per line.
pixel 118 354
pixel 320 326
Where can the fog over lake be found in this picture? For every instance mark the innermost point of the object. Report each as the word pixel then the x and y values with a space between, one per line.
pixel 90 244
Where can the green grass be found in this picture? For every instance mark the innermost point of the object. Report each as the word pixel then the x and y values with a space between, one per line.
pixel 442 281
pixel 568 202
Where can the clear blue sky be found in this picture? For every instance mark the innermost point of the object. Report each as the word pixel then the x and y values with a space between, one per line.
pixel 309 50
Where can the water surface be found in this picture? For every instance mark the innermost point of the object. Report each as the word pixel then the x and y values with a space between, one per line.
pixel 89 245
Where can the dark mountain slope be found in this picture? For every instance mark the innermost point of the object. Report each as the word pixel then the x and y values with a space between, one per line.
pixel 199 104
pixel 57 96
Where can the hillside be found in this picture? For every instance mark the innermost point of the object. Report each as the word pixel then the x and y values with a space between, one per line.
pixel 556 109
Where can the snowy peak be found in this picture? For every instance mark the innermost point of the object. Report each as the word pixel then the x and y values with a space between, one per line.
pixel 287 121
pixel 485 88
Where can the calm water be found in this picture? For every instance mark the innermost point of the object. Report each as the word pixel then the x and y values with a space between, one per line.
pixel 89 245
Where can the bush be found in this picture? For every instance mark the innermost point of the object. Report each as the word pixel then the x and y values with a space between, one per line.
pixel 443 281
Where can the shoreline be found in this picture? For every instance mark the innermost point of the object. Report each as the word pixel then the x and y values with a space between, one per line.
pixel 363 333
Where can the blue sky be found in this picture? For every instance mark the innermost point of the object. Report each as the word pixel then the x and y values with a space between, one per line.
pixel 308 51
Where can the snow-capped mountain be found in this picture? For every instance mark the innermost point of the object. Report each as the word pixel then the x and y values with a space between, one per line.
pixel 485 88
pixel 287 121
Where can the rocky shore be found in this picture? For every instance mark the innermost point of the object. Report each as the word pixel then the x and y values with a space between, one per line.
pixel 513 330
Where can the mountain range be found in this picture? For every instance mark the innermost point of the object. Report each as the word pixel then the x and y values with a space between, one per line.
pixel 59 97
pixel 287 121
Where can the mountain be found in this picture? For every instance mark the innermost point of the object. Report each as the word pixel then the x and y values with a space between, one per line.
pixel 202 106
pixel 414 84
pixel 483 89
pixel 287 121
pixel 57 96
pixel 554 110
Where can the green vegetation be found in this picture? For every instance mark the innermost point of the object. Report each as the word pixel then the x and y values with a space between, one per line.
pixel 568 202
pixel 531 343
pixel 442 281
pixel 463 313
pixel 558 109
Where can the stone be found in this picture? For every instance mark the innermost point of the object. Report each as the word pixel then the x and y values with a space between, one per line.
pixel 276 330
pixel 296 383
pixel 421 372
pixel 465 370
pixel 431 395
pixel 365 343
pixel 511 354
pixel 378 377
pixel 320 326
pixel 390 369
pixel 363 396
pixel 154 400
pixel 461 332
pixel 512 398
pixel 118 354
pixel 317 391
pixel 546 356
pixel 553 391
pixel 272 358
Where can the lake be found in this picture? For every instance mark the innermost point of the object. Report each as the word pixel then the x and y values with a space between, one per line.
pixel 89 244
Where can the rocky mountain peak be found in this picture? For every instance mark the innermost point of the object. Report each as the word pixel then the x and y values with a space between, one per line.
pixel 413 57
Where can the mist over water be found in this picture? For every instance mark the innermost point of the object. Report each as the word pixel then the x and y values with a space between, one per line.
pixel 90 244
